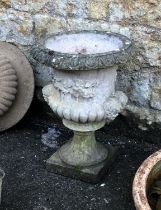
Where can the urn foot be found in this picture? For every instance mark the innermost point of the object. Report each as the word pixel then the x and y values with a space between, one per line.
pixel 91 174
pixel 83 157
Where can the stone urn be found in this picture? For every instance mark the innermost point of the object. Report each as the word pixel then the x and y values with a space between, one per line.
pixel 147 184
pixel 83 94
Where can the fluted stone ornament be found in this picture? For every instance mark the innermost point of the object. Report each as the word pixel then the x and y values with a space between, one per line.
pixel 83 94
pixel 8 84
pixel 16 85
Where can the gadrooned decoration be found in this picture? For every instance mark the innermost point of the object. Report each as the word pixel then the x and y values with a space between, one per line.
pixel 8 85
pixel 16 85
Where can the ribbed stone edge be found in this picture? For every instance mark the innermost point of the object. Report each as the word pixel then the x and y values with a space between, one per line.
pixel 67 61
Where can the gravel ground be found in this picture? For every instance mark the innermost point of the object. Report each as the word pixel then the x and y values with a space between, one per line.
pixel 28 186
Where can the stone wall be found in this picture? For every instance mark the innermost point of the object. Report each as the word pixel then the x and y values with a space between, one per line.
pixel 22 22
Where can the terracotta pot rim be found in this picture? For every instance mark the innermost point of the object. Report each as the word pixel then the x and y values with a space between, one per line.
pixel 140 181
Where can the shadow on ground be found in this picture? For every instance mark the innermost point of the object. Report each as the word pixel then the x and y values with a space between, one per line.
pixel 28 186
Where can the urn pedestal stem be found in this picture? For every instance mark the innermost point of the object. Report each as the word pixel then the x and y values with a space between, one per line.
pixel 83 158
pixel 83 150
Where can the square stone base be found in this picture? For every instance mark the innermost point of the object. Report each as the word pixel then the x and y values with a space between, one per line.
pixel 92 174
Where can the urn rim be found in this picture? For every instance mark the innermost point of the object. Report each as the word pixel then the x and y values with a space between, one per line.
pixel 75 61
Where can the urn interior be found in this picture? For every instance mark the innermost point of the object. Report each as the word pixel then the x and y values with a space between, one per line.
pixel 153 187
pixel 84 43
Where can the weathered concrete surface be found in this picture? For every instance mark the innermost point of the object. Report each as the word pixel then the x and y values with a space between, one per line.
pixel 24 21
